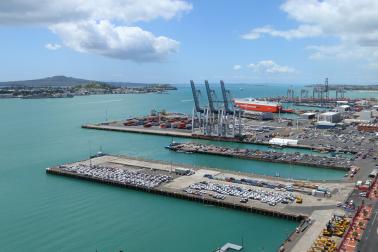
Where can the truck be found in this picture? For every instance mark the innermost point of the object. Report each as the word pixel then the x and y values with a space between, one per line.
pixel 183 171
pixel 373 173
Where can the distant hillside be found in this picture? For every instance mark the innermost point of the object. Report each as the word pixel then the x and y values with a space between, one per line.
pixel 49 81
pixel 128 84
pixel 66 82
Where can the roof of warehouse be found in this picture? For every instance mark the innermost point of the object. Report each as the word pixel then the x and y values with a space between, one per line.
pixel 330 113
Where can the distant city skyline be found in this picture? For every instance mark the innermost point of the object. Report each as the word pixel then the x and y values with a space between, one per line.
pixel 173 41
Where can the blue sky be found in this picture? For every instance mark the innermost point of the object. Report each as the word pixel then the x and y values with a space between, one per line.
pixel 248 41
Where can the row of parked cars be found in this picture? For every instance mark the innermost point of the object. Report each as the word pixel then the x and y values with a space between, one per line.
pixel 136 178
pixel 265 196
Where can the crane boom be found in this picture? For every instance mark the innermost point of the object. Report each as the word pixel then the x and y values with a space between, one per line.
pixel 225 99
pixel 210 97
pixel 195 97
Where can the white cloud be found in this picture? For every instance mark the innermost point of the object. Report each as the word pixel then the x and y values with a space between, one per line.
pixel 53 46
pixel 301 32
pixel 350 21
pixel 353 23
pixel 56 11
pixel 374 66
pixel 86 25
pixel 269 66
pixel 237 67
pixel 340 51
pixel 122 42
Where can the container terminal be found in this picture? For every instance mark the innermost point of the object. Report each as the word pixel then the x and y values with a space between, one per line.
pixel 318 95
pixel 225 120
pixel 333 215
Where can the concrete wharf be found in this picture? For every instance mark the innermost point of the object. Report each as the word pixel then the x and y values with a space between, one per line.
pixel 140 130
pixel 338 163
pixel 313 100
pixel 114 126
pixel 175 187
pixel 177 184
pixel 229 246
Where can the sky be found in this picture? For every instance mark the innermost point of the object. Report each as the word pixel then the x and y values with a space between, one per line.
pixel 174 41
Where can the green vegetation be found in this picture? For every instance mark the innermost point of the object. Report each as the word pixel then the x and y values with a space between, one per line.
pixel 95 85
pixel 63 81
pixel 67 87
pixel 54 81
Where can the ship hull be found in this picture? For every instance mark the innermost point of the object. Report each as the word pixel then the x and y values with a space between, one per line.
pixel 258 107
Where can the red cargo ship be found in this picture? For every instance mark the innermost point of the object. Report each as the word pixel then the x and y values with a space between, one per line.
pixel 260 106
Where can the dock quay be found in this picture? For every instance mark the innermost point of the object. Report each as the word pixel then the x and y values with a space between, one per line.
pixel 168 180
pixel 157 131
pixel 267 156
pixel 182 133
pixel 229 246
pixel 140 130
pixel 314 99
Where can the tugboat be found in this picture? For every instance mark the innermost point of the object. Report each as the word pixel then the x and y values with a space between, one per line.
pixel 169 146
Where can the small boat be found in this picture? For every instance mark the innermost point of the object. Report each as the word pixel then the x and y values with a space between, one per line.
pixel 98 154
pixel 287 110
pixel 274 146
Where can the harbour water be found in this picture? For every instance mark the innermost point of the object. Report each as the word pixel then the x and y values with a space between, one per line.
pixel 46 213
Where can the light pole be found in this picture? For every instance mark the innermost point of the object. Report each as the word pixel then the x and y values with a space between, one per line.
pixel 90 153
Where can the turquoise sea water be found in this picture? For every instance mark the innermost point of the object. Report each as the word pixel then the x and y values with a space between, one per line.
pixel 40 212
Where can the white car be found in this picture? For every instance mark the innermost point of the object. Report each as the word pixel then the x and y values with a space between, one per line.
pixel 362 194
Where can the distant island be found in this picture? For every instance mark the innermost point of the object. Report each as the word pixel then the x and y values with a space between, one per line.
pixel 68 87
pixel 347 87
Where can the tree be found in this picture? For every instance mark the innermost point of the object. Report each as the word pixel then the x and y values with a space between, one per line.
pixel 355 234
pixel 361 224
pixel 365 212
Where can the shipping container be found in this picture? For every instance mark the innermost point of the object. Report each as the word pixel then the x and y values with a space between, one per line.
pixel 318 193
